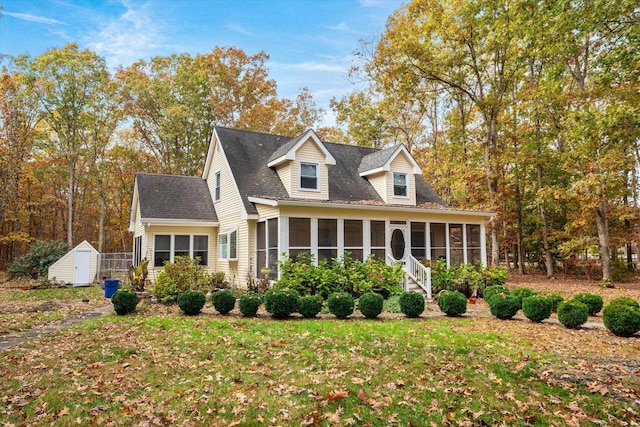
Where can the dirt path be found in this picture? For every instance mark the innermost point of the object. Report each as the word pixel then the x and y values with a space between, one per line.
pixel 14 339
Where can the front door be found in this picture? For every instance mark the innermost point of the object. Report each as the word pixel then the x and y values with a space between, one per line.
pixel 82 272
pixel 400 245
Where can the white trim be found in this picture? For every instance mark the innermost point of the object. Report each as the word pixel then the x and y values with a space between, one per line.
pixel 415 168
pixel 262 201
pixel 406 185
pixel 217 186
pixel 159 222
pixel 228 232
pixel 317 176
pixel 291 154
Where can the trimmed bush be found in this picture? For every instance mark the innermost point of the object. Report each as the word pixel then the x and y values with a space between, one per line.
pixel 554 300
pixel 491 291
pixel 249 304
pixel 536 308
pixel 411 304
pixel 452 303
pixel 622 317
pixel 593 301
pixel 522 293
pixel 309 306
pixel 573 313
pixel 223 301
pixel 281 303
pixel 124 301
pixel 504 306
pixel 191 302
pixel 370 305
pixel 341 304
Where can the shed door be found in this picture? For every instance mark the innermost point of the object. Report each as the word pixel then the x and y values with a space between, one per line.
pixel 82 272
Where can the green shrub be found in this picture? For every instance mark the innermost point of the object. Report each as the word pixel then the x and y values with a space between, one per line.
pixel 281 303
pixel 191 302
pixel 370 305
pixel 40 252
pixel 536 308
pixel 573 313
pixel 223 301
pixel 411 304
pixel 182 275
pixel 593 301
pixel 522 293
pixel 554 300
pixel 249 304
pixel 310 305
pixel 504 306
pixel 452 303
pixel 341 304
pixel 124 301
pixel 491 291
pixel 622 317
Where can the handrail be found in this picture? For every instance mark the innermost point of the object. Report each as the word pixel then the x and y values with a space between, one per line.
pixel 419 273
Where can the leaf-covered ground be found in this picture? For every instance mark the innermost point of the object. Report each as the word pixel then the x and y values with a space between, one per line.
pixel 160 367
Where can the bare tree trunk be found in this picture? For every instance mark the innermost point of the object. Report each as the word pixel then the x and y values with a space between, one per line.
pixel 70 201
pixel 603 238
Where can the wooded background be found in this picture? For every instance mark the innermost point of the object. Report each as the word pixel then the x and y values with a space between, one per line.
pixel 526 108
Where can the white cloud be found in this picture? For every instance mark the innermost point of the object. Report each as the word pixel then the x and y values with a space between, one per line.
pixel 238 29
pixel 132 36
pixel 343 27
pixel 32 18
pixel 311 66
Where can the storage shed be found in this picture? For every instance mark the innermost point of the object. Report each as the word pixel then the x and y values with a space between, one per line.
pixel 79 266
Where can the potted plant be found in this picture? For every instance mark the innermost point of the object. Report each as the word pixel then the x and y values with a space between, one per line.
pixel 138 278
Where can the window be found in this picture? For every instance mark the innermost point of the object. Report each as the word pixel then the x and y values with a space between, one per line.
pixel 299 236
pixel 418 241
pixel 438 241
pixel 137 250
pixel 378 240
pixel 267 245
pixel 228 245
pixel 353 238
pixel 216 195
pixel 167 247
pixel 473 244
pixel 400 185
pixel 327 239
pixel 308 176
pixel 456 243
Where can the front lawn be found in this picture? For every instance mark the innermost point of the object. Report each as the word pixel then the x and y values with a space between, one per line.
pixel 215 370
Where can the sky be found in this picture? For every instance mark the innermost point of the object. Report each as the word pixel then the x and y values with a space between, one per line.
pixel 310 42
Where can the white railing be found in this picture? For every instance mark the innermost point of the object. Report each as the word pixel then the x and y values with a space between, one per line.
pixel 418 272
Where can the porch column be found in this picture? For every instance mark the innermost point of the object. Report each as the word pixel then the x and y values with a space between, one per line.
pixel 283 237
pixel 448 243
pixel 483 245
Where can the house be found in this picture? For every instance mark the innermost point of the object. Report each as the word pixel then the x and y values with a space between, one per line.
pixel 263 195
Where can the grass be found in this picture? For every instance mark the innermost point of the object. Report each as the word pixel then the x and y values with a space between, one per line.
pixel 215 370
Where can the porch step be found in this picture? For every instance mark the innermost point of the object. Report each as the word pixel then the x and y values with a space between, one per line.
pixel 413 286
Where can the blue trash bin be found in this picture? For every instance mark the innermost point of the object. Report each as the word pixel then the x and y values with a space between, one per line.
pixel 110 287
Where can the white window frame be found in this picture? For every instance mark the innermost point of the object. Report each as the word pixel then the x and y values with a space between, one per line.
pixel 227 254
pixel 406 185
pixel 172 249
pixel 316 176
pixel 216 186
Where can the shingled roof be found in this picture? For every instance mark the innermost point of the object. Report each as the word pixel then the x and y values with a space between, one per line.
pixel 249 152
pixel 174 197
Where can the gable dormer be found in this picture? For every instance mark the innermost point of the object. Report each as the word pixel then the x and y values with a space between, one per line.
pixel 392 173
pixel 303 167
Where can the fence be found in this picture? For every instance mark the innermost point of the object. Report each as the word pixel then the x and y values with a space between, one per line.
pixel 114 265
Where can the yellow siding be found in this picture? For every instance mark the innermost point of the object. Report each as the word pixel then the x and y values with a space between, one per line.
pixel 284 172
pixel 265 211
pixel 401 165
pixel 379 183
pixel 311 153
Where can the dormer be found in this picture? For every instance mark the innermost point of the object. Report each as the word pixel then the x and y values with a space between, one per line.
pixel 303 167
pixel 392 173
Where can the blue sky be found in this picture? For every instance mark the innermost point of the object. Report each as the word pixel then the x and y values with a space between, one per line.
pixel 310 42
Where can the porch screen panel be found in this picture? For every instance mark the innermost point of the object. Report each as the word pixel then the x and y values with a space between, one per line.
pixel 201 249
pixel 473 243
pixel 299 236
pixel 456 243
pixel 378 239
pixel 161 250
pixel 327 239
pixel 418 240
pixel 181 246
pixel 272 249
pixel 261 245
pixel 438 241
pixel 353 238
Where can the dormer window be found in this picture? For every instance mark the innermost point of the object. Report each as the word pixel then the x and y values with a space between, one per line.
pixel 400 185
pixel 216 195
pixel 308 176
